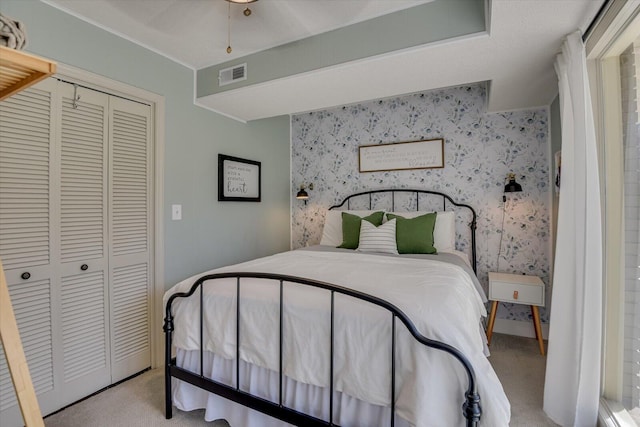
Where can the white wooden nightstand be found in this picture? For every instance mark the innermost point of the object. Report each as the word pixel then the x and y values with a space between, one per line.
pixel 519 289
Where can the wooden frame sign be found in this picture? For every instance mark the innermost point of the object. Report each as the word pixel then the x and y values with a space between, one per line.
pixel 427 154
pixel 238 179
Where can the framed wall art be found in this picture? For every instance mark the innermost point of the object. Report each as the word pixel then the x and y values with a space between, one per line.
pixel 426 154
pixel 238 179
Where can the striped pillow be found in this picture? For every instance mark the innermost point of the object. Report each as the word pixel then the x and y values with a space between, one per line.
pixel 378 239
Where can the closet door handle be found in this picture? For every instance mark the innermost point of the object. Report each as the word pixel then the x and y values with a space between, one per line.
pixel 26 275
pixel 84 267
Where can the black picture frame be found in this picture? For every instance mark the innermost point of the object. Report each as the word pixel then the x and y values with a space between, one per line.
pixel 239 180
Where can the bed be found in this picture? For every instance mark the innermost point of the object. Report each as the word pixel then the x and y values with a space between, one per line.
pixel 335 336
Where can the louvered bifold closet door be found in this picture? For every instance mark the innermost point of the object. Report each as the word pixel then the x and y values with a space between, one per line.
pixel 27 218
pixel 84 320
pixel 130 216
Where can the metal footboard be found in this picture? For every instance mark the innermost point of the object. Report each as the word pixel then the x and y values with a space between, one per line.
pixel 471 407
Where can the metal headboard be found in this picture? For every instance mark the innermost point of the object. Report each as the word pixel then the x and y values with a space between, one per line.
pixel 445 198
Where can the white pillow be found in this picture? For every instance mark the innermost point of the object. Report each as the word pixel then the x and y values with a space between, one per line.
pixel 332 231
pixel 378 239
pixel 444 232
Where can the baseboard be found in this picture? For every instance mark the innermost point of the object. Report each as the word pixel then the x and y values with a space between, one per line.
pixel 519 328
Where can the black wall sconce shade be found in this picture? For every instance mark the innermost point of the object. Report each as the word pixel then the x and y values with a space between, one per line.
pixel 302 195
pixel 512 186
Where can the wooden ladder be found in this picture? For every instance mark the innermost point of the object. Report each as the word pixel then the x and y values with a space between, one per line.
pixel 16 361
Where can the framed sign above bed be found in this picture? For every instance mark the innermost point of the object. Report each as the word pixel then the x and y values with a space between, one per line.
pixel 427 154
pixel 238 179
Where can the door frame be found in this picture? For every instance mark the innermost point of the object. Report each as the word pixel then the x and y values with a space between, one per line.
pixel 157 103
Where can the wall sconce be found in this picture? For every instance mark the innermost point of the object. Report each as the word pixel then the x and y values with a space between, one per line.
pixel 512 186
pixel 302 194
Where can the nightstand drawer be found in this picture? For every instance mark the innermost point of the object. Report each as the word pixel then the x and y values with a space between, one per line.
pixel 516 288
pixel 515 292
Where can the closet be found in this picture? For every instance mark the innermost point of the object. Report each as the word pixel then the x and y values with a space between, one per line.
pixel 75 238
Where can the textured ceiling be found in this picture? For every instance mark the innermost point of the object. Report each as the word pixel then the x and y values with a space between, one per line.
pixel 515 56
pixel 194 32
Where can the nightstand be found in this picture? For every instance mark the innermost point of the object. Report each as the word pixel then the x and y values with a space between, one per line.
pixel 519 289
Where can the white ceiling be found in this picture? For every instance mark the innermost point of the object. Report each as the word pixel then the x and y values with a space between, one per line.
pixel 194 32
pixel 516 56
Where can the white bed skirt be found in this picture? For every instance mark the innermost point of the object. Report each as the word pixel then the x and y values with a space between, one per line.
pixel 265 383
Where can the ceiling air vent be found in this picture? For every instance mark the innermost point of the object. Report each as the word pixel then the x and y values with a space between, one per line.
pixel 232 74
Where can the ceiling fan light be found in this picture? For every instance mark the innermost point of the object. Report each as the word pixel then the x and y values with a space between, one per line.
pixel 242 1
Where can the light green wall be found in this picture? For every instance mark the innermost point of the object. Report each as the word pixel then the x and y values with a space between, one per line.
pixel 211 233
pixel 427 23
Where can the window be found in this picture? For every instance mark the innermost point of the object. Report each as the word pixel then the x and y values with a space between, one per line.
pixel 629 75
pixel 614 68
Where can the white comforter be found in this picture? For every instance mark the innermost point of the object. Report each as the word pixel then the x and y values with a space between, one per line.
pixel 440 298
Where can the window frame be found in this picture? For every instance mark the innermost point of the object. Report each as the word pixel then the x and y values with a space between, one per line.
pixel 617 28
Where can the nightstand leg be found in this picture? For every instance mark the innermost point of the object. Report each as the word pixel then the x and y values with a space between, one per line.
pixel 536 324
pixel 492 319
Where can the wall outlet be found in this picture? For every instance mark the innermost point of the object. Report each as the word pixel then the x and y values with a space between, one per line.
pixel 176 212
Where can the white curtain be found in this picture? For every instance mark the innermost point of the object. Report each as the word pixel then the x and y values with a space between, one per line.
pixel 572 383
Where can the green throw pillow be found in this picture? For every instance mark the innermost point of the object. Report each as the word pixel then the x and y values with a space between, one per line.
pixel 415 235
pixel 351 228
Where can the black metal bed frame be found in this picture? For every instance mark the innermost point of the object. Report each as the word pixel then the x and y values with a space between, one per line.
pixel 445 197
pixel 471 407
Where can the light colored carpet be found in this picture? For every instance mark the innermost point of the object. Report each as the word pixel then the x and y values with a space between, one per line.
pixel 139 402
pixel 521 369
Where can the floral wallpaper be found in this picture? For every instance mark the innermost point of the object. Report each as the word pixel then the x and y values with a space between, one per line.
pixel 480 149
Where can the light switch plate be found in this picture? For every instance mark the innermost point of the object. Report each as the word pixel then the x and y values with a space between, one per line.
pixel 176 212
